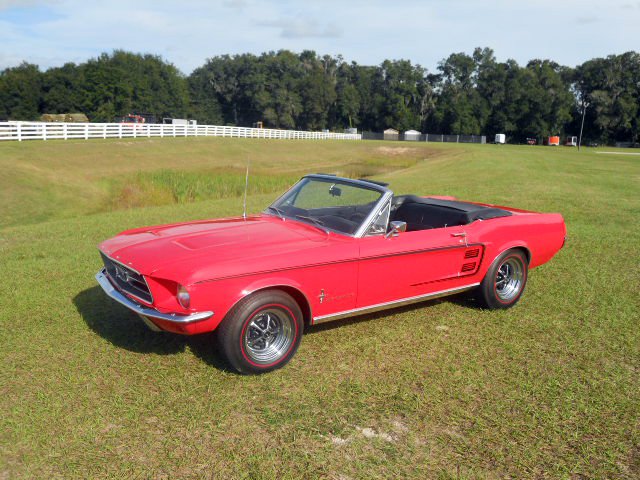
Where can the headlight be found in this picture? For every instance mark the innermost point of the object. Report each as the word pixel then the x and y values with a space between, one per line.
pixel 183 297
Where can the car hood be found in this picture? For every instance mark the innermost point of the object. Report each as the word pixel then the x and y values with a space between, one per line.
pixel 212 249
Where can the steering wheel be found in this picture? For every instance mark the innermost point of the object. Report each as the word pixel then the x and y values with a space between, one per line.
pixel 339 223
pixel 357 217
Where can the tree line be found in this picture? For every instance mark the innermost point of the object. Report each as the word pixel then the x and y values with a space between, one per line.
pixel 467 94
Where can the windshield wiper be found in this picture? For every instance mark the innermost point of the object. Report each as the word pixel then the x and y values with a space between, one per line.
pixel 277 210
pixel 318 222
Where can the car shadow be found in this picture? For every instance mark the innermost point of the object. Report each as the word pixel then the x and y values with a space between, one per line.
pixel 124 329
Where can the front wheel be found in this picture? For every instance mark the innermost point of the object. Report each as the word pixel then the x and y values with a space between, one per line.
pixel 504 283
pixel 262 332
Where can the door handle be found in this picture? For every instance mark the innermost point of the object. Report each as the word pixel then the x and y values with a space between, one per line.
pixel 461 235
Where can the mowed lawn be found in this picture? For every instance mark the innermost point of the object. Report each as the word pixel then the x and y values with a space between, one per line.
pixel 548 389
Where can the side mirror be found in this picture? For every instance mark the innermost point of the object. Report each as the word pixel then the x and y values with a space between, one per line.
pixel 335 191
pixel 395 228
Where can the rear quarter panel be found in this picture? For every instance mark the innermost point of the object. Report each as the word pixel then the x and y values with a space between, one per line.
pixel 541 234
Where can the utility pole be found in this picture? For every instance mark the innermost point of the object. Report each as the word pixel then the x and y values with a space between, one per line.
pixel 585 104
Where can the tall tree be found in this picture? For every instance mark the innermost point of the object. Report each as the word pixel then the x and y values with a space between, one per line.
pixel 460 109
pixel 124 82
pixel 403 86
pixel 469 94
pixel 21 92
pixel 345 111
pixel 550 99
pixel 62 90
pixel 611 87
pixel 317 90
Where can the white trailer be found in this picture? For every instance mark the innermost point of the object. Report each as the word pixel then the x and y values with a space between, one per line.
pixel 500 138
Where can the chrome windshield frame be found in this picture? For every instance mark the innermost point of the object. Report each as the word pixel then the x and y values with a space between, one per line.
pixel 385 196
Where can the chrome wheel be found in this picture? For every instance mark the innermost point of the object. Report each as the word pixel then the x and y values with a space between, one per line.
pixel 268 336
pixel 509 279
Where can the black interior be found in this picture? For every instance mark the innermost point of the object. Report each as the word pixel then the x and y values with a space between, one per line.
pixel 344 219
pixel 424 213
pixel 419 213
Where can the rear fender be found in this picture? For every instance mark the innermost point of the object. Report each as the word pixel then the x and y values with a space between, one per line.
pixel 541 236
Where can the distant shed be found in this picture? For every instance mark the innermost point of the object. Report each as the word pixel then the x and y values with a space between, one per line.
pixel 412 135
pixel 391 134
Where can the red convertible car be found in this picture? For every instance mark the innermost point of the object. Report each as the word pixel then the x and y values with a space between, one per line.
pixel 328 248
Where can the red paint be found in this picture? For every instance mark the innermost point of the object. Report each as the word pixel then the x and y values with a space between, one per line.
pixel 222 261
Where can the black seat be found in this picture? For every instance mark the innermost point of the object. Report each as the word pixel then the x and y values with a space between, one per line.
pixel 423 213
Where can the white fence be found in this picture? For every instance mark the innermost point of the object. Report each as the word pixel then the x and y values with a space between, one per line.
pixel 67 131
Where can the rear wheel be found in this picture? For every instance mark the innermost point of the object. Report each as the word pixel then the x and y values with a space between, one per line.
pixel 262 332
pixel 504 283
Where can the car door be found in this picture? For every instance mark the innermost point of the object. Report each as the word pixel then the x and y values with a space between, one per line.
pixel 413 264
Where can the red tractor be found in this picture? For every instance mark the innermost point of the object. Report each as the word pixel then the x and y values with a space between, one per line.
pixel 131 118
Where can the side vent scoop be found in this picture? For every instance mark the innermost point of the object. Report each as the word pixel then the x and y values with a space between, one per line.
pixel 472 253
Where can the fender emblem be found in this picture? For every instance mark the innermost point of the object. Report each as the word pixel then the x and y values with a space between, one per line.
pixel 322 295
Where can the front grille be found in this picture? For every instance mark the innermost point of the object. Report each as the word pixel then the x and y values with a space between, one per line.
pixel 126 279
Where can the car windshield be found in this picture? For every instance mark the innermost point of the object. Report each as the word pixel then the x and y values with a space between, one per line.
pixel 329 204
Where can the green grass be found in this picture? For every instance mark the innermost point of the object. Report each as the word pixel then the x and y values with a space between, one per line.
pixel 444 390
pixel 42 181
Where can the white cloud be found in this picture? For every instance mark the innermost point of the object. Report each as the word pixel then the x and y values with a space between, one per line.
pixel 6 4
pixel 189 32
pixel 302 28
pixel 238 4
pixel 586 20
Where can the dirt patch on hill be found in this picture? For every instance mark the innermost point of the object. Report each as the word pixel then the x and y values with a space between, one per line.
pixel 397 151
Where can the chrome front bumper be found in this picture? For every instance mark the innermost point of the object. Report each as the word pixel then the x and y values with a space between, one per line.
pixel 144 312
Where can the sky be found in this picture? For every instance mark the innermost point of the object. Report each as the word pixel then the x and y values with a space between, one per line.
pixel 188 32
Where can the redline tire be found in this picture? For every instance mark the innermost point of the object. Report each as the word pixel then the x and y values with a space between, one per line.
pixel 505 280
pixel 262 332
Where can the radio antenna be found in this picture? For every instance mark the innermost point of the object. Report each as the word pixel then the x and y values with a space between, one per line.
pixel 246 187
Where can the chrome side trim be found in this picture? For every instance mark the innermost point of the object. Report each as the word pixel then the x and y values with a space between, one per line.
pixel 392 304
pixel 110 290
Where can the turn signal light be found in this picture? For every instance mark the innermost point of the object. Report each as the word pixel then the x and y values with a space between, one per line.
pixel 184 299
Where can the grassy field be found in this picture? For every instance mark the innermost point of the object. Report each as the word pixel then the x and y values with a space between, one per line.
pixel 549 389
